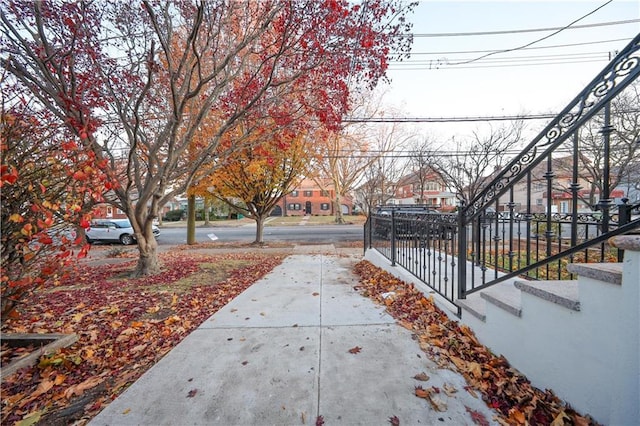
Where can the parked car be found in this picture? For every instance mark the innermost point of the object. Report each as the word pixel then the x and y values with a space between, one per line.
pixel 114 230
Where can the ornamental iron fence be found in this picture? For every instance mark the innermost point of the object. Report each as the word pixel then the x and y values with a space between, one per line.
pixel 537 214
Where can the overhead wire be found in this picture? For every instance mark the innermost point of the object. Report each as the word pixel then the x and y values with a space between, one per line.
pixel 531 30
pixel 535 41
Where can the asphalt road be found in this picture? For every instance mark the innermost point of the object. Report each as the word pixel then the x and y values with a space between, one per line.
pixel 320 234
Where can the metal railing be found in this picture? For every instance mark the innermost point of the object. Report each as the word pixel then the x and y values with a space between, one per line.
pixel 533 217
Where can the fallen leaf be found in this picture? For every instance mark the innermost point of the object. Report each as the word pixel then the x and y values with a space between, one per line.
pixel 127 411
pixel 560 418
pixel 517 416
pixel 423 377
pixel 81 387
pixel 437 403
pixel 355 350
pixel 319 421
pixel 245 362
pixel 59 379
pixel 421 392
pixel 42 388
pixel 394 420
pixel 580 421
pixel 192 393
pixel 315 293
pixel 449 389
pixel 31 419
pixel 477 417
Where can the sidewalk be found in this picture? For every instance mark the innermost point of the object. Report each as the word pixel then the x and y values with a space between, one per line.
pixel 278 354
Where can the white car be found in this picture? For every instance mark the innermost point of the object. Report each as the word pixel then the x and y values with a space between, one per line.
pixel 114 230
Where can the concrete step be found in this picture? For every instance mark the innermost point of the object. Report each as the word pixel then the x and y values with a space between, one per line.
pixel 474 305
pixel 564 293
pixel 605 272
pixel 505 296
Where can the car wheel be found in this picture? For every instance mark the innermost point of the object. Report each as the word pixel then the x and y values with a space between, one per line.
pixel 126 239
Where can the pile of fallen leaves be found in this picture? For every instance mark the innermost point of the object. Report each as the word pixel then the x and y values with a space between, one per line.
pixel 124 326
pixel 455 346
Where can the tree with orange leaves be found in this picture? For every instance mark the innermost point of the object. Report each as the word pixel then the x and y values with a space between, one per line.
pixel 255 178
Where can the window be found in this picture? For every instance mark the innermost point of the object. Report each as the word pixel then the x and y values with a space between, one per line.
pixel 295 206
pixel 324 206
pixel 432 186
pixel 538 201
pixel 109 211
pixel 294 193
pixel 308 193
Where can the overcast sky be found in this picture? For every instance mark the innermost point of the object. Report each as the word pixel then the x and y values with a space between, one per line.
pixel 542 78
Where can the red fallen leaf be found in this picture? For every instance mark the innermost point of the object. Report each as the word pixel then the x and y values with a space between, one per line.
pixel 477 417
pixel 394 420
pixel 192 393
pixel 319 421
pixel 355 350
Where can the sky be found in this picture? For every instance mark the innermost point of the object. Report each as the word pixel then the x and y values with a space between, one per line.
pixel 543 78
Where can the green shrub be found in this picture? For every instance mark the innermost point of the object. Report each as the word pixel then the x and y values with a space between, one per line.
pixel 173 215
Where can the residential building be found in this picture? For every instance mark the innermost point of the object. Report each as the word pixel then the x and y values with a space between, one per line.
pixel 309 198
pixel 560 195
pixel 428 188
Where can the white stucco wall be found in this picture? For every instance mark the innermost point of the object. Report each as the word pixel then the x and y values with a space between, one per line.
pixel 590 358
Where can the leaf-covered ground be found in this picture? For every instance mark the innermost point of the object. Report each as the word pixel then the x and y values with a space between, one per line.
pixel 124 327
pixel 455 346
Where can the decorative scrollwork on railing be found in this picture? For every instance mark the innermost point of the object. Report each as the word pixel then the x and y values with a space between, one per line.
pixel 624 69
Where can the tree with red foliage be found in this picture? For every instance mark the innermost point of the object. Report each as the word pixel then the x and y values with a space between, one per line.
pixel 45 186
pixel 134 82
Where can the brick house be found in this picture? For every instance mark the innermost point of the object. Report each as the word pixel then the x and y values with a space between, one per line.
pixel 433 192
pixel 107 211
pixel 308 198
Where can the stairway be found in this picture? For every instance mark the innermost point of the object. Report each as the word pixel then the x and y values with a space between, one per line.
pixel 580 338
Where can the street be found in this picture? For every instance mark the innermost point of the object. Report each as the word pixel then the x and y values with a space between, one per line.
pixel 324 234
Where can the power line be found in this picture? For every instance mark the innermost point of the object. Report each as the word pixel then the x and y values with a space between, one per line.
pixel 457 119
pixel 570 25
pixel 447 119
pixel 443 66
pixel 532 30
pixel 555 46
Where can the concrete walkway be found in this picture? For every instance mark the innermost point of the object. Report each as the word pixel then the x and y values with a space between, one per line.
pixel 278 354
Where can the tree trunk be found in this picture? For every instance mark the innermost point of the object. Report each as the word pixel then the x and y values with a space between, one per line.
pixel 191 220
pixel 259 230
pixel 207 207
pixel 148 263
pixel 338 207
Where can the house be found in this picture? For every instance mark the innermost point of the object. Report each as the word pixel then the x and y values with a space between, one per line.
pixel 424 188
pixel 560 196
pixel 308 198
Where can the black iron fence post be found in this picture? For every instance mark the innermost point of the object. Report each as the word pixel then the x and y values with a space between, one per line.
pixel 624 217
pixel 393 238
pixel 462 254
